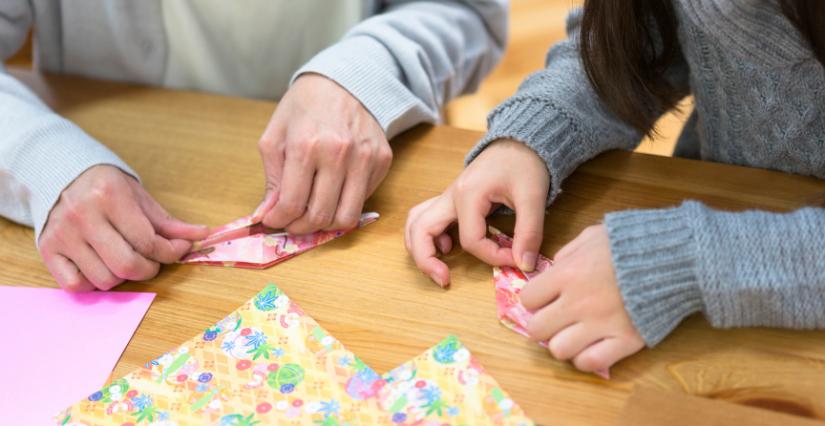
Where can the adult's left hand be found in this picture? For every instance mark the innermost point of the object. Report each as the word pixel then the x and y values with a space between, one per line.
pixel 580 307
pixel 324 154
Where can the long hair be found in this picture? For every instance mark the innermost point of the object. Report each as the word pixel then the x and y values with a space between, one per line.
pixel 627 45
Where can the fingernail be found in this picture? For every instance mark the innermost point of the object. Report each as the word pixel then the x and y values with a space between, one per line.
pixel 436 279
pixel 442 247
pixel 528 261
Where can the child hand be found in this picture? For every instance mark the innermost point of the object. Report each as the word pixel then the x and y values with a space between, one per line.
pixel 507 172
pixel 579 306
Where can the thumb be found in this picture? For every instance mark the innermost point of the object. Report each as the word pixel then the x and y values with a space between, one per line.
pixel 528 233
pixel 273 171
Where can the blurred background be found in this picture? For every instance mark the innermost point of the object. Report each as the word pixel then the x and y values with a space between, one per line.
pixel 535 25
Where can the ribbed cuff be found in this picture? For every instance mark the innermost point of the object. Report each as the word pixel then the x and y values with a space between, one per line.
pixel 51 157
pixel 545 128
pixel 654 254
pixel 366 69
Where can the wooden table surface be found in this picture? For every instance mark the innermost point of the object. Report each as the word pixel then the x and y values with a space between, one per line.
pixel 197 155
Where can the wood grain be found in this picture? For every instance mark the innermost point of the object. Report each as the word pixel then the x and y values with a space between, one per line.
pixel 197 154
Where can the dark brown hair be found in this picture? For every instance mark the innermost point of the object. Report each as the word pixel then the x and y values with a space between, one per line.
pixel 627 45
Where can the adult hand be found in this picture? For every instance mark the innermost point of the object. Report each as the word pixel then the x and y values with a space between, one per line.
pixel 324 154
pixel 580 309
pixel 507 172
pixel 106 229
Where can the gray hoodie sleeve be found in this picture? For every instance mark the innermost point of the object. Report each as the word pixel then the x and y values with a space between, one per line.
pixel 40 152
pixel 407 62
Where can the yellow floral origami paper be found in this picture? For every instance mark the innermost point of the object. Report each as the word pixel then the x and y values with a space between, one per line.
pixel 269 363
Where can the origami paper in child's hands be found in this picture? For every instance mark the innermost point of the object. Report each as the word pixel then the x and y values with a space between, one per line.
pixel 270 363
pixel 509 282
pixel 247 243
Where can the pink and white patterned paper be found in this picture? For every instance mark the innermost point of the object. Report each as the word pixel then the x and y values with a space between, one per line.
pixel 509 282
pixel 247 244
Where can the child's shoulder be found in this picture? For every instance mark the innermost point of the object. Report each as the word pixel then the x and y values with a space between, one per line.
pixel 754 29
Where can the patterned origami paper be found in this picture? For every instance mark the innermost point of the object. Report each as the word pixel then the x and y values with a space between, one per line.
pixel 247 243
pixel 509 282
pixel 269 363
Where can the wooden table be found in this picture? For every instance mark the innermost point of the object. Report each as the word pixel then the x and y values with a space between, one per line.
pixel 197 154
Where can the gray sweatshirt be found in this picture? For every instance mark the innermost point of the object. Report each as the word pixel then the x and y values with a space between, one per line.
pixel 760 94
pixel 404 63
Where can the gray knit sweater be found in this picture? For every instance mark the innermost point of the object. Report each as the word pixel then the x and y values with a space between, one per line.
pixel 760 95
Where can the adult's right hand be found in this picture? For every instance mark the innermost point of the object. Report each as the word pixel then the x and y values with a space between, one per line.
pixel 106 229
pixel 507 172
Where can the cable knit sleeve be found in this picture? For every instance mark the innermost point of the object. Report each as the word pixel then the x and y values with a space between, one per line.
pixel 741 269
pixel 557 113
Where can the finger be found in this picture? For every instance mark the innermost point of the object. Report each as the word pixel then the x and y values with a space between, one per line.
pixel 430 224
pixel 66 274
pixel 411 217
pixel 271 148
pixel 603 354
pixel 121 258
pixel 529 230
pixel 572 340
pixel 444 243
pixel 543 289
pixel 323 203
pixel 353 195
pixel 548 321
pixel 380 172
pixel 164 223
pixel 299 174
pixel 93 267
pixel 472 234
pixel 130 223
pixel 572 246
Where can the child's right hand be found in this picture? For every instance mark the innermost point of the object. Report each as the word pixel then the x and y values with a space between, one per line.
pixel 507 172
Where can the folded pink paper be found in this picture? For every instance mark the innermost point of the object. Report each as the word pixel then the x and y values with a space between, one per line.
pixel 509 282
pixel 247 243
pixel 59 347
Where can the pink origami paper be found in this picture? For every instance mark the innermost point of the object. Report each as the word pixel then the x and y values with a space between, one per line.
pixel 509 282
pixel 246 243
pixel 57 347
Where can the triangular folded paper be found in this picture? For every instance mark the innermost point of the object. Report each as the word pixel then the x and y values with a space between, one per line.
pixel 246 243
pixel 269 363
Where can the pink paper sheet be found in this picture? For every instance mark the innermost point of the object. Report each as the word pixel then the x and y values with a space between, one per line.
pixel 57 347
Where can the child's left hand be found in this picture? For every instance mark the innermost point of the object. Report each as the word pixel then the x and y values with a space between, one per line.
pixel 579 305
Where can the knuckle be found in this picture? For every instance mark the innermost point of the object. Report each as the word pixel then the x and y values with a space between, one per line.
pixel 294 210
pixel 591 360
pixel 385 156
pixel 307 144
pixel 463 184
pixel 341 144
pixel 321 220
pixel 74 284
pixel 348 221
pixel 127 269
pixel 144 246
pixel 101 190
pixel 559 349
pixel 533 328
pixel 110 282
